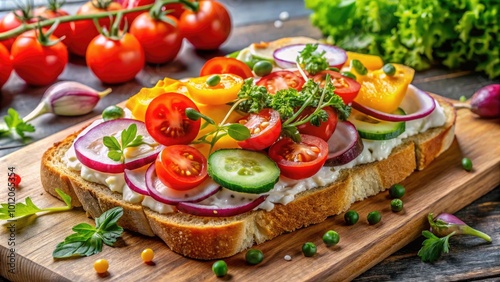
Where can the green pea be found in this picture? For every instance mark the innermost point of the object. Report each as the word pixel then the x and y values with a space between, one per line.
pixel 219 268
pixel 348 74
pixel 374 217
pixel 254 256
pixel 396 205
pixel 262 68
pixel 359 67
pixel 397 191
pixel 389 69
pixel 351 217
pixel 467 164
pixel 463 98
pixel 309 249
pixel 112 112
pixel 213 80
pixel 331 238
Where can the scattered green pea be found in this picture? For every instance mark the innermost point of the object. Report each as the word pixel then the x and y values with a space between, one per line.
pixel 359 67
pixel 309 249
pixel 112 112
pixel 348 74
pixel 396 205
pixel 254 256
pixel 219 268
pixel 463 98
pixel 374 217
pixel 351 217
pixel 213 80
pixel 397 191
pixel 389 69
pixel 262 68
pixel 467 164
pixel 331 238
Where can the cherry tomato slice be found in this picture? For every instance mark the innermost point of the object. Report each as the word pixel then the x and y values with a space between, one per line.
pixel 181 167
pixel 219 65
pixel 166 119
pixel 279 80
pixel 345 87
pixel 265 128
pixel 225 91
pixel 299 160
pixel 325 129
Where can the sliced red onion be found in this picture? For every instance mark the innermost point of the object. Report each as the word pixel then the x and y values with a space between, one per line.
pixel 136 180
pixel 344 145
pixel 416 103
pixel 285 57
pixel 215 211
pixel 92 153
pixel 162 193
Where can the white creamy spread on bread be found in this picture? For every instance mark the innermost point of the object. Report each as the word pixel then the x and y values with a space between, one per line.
pixel 284 190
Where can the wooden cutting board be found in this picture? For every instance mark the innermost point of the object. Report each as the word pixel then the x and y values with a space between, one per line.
pixel 442 187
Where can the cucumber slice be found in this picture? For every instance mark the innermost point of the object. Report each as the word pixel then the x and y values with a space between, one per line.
pixel 375 129
pixel 243 171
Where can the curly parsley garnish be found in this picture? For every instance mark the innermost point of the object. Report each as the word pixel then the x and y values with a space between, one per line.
pixel 129 138
pixel 15 124
pixel 312 60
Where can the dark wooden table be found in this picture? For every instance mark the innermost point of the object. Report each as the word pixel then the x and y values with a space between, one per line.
pixel 469 258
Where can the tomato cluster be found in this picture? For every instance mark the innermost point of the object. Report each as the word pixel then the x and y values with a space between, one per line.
pixel 114 57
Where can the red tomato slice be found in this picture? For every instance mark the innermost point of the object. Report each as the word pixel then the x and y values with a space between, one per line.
pixel 299 160
pixel 166 119
pixel 345 87
pixel 220 65
pixel 279 80
pixel 325 129
pixel 265 128
pixel 181 167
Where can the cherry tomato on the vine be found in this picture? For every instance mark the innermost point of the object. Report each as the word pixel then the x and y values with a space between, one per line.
pixel 265 128
pixel 5 65
pixel 35 63
pixel 63 29
pixel 279 80
pixel 219 65
pixel 167 122
pixel 84 31
pixel 181 167
pixel 325 129
pixel 208 27
pixel 160 39
pixel 299 160
pixel 8 22
pixel 176 9
pixel 115 60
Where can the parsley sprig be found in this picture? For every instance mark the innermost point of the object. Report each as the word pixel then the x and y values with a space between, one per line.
pixel 312 60
pixel 129 138
pixel 14 124
pixel 433 247
pixel 87 239
pixel 28 208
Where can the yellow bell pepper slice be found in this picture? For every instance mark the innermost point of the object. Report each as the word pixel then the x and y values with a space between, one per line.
pixel 382 92
pixel 371 62
pixel 225 91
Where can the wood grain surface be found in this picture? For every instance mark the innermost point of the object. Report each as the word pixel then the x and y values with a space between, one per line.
pixel 442 187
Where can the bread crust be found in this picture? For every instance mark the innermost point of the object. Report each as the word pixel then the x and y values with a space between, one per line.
pixel 216 237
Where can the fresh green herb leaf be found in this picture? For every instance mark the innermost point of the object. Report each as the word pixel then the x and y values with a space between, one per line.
pixel 15 124
pixel 359 67
pixel 129 138
pixel 433 247
pixel 111 143
pixel 312 60
pixel 238 132
pixel 253 97
pixel 29 208
pixel 88 240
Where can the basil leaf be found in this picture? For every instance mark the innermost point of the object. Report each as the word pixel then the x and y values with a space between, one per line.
pixel 238 132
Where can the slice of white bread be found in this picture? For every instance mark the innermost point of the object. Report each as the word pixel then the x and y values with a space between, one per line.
pixel 218 237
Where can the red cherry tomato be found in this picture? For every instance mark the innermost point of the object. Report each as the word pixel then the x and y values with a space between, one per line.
pixel 345 87
pixel 279 80
pixel 181 167
pixel 63 29
pixel 8 22
pixel 14 179
pixel 160 39
pixel 115 61
pixel 208 27
pixel 166 119
pixel 299 160
pixel 325 129
pixel 84 31
pixel 5 65
pixel 265 128
pixel 35 63
pixel 219 65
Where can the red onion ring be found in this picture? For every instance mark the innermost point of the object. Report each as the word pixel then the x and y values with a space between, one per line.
pixel 136 180
pixel 344 145
pixel 215 211
pixel 285 57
